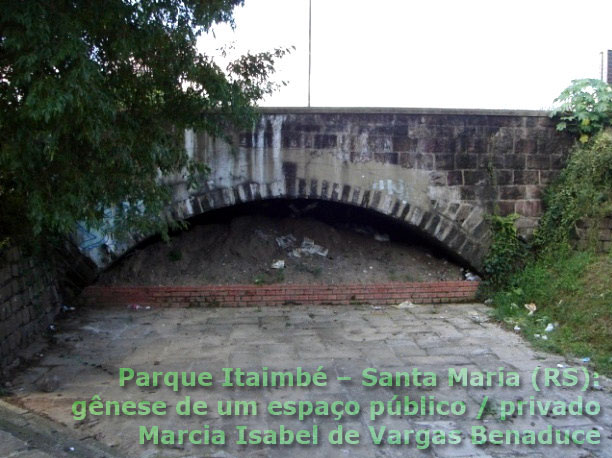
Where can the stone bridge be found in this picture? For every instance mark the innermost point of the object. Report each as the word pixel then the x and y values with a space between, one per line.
pixel 439 171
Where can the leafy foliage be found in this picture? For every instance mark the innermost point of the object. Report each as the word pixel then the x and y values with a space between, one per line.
pixel 570 289
pixel 94 100
pixel 507 252
pixel 583 190
pixel 585 108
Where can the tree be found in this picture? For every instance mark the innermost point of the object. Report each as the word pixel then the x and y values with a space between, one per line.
pixel 94 100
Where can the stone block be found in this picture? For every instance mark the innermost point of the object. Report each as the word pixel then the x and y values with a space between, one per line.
pixel 529 207
pixel 387 158
pixel 503 177
pixel 605 235
pixel 526 177
pixel 438 178
pixel 476 177
pixel 515 161
pixel 454 178
pixel 444 161
pixel 538 162
pixel 526 146
pixel 424 161
pixel 292 140
pixel 463 213
pixel 404 143
pixel 468 193
pixel 512 192
pixel 547 176
pixel 466 161
pixel 533 192
pixel 506 207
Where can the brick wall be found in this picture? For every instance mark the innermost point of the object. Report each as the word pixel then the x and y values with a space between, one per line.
pixel 29 301
pixel 270 295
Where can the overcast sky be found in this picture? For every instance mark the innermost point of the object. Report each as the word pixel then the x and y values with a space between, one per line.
pixel 426 53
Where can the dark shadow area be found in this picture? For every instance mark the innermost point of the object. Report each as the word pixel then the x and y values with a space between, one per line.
pixel 336 214
pixel 288 241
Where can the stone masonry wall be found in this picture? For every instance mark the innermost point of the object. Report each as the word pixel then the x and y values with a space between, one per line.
pixel 29 302
pixel 595 234
pixel 439 171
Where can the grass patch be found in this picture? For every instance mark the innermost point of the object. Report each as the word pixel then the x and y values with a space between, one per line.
pixel 269 278
pixel 572 290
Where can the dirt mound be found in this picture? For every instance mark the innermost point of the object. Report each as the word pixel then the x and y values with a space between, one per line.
pixel 244 249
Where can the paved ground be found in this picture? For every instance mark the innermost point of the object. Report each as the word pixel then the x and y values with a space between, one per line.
pixel 94 344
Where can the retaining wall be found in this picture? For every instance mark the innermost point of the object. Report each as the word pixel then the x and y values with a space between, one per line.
pixel 29 302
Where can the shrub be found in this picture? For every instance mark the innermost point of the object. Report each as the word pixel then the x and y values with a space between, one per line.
pixel 583 190
pixel 585 108
pixel 507 252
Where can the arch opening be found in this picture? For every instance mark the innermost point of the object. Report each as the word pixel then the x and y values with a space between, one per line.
pixel 318 241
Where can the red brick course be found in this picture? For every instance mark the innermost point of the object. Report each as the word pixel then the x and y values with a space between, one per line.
pixel 270 295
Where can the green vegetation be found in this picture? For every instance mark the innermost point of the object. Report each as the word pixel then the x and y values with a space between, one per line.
pixel 507 253
pixel 584 108
pixel 571 287
pixel 584 190
pixel 94 100
pixel 315 271
pixel 269 278
pixel 571 290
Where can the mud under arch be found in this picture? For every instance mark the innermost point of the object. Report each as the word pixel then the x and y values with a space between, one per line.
pixel 240 244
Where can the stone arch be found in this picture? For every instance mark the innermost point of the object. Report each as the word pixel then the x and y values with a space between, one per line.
pixel 464 236
pixel 458 228
pixel 438 171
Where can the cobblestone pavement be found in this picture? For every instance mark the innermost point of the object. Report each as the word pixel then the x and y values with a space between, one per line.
pixel 94 344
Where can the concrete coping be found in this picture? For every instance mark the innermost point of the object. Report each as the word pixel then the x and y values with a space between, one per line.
pixel 396 110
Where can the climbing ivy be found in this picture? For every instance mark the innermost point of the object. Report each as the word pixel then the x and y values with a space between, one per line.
pixel 583 190
pixel 507 252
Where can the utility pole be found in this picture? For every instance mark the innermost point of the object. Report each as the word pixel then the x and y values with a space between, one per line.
pixel 309 46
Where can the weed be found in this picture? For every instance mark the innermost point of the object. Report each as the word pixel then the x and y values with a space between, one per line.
pixel 316 271
pixel 507 252
pixel 571 289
